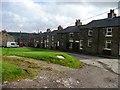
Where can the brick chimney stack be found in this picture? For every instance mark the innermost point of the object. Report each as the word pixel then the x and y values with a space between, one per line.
pixel 111 14
pixel 60 27
pixel 78 23
pixel 48 30
pixel 40 32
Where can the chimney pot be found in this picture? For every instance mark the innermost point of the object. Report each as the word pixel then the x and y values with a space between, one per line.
pixel 78 23
pixel 60 27
pixel 111 14
pixel 48 30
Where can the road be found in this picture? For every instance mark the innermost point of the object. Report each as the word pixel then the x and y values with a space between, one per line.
pixel 105 63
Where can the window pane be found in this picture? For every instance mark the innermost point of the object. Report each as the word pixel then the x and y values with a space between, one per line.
pixel 108 45
pixel 90 33
pixel 109 30
pixel 12 43
pixel 81 44
pixel 89 43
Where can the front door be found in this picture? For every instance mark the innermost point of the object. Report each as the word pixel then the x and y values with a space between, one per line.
pixel 119 48
pixel 76 47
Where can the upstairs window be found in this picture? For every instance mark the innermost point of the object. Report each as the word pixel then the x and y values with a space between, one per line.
pixel 47 36
pixel 71 35
pixel 109 32
pixel 41 38
pixel 52 38
pixel 108 45
pixel 90 32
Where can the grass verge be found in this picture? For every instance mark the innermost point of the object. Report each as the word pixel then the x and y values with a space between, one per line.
pixel 13 71
pixel 45 55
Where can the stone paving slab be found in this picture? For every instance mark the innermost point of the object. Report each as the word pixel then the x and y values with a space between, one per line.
pixel 107 64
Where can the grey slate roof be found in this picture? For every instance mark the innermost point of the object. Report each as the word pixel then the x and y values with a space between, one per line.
pixel 108 22
pixel 70 29
pixel 66 30
pixel 44 34
pixel 54 32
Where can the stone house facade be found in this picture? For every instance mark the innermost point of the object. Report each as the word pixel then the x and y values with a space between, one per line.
pixel 5 37
pixel 105 35
pixel 98 37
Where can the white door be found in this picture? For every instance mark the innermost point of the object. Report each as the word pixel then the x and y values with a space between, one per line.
pixel 81 44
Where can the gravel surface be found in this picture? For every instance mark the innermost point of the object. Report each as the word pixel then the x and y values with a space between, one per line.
pixel 56 76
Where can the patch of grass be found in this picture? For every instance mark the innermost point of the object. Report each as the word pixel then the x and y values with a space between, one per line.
pixel 0 70
pixel 21 62
pixel 45 55
pixel 11 70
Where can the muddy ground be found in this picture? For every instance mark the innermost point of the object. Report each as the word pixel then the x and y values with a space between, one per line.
pixel 56 76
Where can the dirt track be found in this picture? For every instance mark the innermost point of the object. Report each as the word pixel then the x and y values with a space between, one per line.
pixel 56 76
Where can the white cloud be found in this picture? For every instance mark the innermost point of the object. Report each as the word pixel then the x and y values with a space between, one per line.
pixel 29 16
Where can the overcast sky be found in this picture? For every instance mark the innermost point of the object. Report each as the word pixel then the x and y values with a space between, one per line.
pixel 31 15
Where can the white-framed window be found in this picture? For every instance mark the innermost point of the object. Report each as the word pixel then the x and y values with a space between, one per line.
pixel 71 35
pixel 90 32
pixel 47 40
pixel 47 36
pixel 71 45
pixel 45 44
pixel 52 44
pixel 108 45
pixel 89 43
pixel 71 41
pixel 41 40
pixel 58 43
pixel 81 44
pixel 52 38
pixel 109 32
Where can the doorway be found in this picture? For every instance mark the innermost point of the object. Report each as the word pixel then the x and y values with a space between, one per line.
pixel 119 48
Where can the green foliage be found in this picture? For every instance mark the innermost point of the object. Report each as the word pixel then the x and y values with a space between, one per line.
pixel 45 55
pixel 9 71
pixel 12 70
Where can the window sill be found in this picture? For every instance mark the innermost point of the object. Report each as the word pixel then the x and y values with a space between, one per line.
pixel 71 41
pixel 108 35
pixel 107 49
